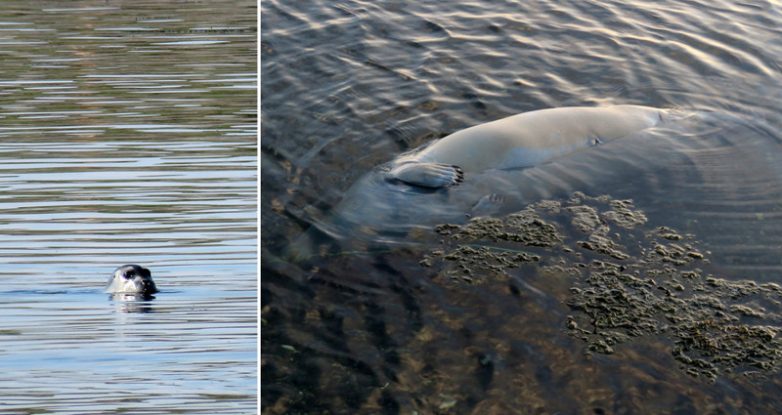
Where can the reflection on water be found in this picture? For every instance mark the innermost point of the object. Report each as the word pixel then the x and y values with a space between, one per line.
pixel 356 325
pixel 128 135
pixel 133 303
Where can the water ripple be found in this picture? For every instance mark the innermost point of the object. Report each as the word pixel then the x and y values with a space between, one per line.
pixel 128 135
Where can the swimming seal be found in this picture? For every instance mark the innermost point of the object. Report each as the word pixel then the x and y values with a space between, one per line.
pixel 519 141
pixel 131 279
pixel 479 171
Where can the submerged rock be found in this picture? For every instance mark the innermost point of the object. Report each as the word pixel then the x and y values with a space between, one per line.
pixel 629 281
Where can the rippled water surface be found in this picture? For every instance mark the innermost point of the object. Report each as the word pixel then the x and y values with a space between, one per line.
pixel 128 135
pixel 352 323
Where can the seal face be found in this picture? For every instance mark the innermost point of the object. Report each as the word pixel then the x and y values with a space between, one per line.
pixel 131 279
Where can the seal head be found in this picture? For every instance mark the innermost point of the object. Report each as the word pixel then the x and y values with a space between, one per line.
pixel 131 279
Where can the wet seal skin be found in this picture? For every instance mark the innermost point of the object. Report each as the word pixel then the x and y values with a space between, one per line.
pixel 628 281
pixel 132 280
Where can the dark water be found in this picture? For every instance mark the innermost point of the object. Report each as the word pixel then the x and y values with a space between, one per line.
pixel 346 86
pixel 128 135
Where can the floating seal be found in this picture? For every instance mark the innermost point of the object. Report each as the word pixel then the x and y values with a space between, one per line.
pixel 519 141
pixel 131 279
pixel 477 171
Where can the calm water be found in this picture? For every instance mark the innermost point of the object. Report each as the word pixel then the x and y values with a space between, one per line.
pixel 128 135
pixel 349 85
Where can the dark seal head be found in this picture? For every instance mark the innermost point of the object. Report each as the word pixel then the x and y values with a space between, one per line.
pixel 131 279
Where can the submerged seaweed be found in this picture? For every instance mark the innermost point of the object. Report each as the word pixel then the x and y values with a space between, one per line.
pixel 630 281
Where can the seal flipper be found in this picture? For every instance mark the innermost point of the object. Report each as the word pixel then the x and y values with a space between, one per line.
pixel 488 205
pixel 429 175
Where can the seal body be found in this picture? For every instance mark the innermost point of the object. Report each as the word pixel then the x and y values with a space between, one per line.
pixel 519 141
pixel 131 279
pixel 482 170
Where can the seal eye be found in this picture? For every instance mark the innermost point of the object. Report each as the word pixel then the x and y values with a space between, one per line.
pixel 127 275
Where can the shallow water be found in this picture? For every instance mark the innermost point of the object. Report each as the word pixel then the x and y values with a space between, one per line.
pixel 348 86
pixel 128 135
